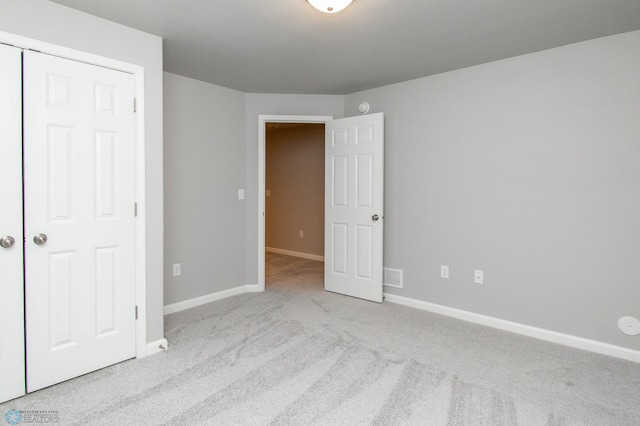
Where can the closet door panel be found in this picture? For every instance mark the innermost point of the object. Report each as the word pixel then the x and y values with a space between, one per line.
pixel 12 382
pixel 79 192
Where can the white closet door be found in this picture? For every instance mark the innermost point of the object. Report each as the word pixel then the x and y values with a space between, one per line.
pixel 354 206
pixel 11 287
pixel 79 195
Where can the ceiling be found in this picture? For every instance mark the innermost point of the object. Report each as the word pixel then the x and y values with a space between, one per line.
pixel 286 46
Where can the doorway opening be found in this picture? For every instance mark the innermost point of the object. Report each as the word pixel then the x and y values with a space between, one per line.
pixel 287 124
pixel 294 197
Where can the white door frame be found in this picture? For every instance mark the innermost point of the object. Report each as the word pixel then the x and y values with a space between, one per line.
pixel 139 181
pixel 262 136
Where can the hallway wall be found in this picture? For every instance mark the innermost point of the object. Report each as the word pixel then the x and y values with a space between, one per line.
pixel 295 179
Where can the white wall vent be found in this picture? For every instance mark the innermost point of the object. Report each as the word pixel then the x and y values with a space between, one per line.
pixel 392 277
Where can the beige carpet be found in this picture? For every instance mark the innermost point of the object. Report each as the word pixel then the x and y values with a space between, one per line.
pixel 296 355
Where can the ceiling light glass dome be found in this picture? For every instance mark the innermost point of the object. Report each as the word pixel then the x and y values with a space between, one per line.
pixel 330 6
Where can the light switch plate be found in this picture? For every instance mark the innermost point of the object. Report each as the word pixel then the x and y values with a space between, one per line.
pixel 240 194
pixel 444 271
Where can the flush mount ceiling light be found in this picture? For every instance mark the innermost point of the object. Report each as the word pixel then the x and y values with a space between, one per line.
pixel 330 6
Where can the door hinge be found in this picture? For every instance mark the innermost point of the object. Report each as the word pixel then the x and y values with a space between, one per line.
pixel 135 104
pixel 136 311
pixel 135 209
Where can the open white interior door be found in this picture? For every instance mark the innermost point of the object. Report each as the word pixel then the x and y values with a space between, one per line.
pixel 354 203
pixel 11 288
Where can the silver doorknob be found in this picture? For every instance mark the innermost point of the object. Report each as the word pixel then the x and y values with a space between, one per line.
pixel 40 239
pixel 7 241
pixel 375 217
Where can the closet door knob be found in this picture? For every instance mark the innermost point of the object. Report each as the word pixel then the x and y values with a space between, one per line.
pixel 7 241
pixel 40 239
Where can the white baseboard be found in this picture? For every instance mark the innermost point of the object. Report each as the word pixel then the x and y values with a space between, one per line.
pixel 294 254
pixel 157 346
pixel 526 330
pixel 208 298
pixel 252 288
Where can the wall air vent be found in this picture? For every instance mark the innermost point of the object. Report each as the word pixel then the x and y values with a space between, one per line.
pixel 392 277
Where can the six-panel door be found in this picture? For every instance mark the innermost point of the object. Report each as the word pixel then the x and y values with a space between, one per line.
pixel 79 218
pixel 11 291
pixel 354 203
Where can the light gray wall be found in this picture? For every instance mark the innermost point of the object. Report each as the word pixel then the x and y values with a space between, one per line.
pixel 526 168
pixel 295 177
pixel 272 104
pixel 204 168
pixel 50 22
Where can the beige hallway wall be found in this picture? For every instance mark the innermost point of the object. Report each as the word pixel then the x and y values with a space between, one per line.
pixel 295 187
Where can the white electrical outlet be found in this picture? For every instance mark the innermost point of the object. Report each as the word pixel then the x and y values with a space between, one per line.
pixel 240 194
pixel 176 269
pixel 478 276
pixel 301 234
pixel 444 271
